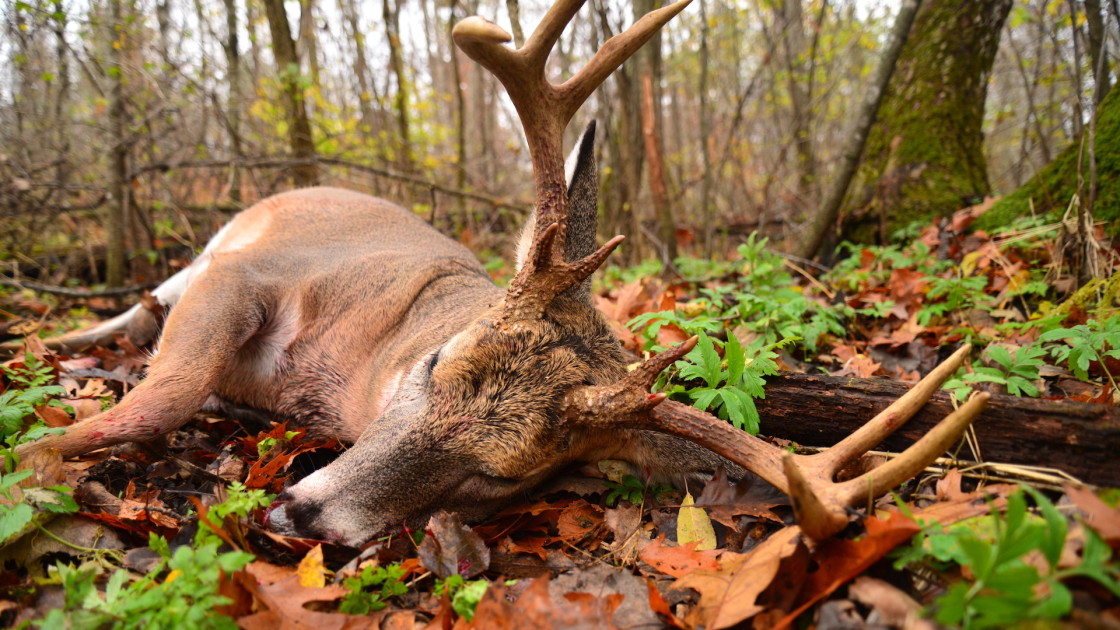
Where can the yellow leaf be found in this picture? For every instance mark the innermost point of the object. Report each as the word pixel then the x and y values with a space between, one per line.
pixel 693 525
pixel 171 577
pixel 310 570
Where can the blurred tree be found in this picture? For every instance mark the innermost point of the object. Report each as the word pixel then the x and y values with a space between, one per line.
pixel 924 155
pixel 299 126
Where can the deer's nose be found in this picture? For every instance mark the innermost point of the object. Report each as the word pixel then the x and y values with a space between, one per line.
pixel 293 516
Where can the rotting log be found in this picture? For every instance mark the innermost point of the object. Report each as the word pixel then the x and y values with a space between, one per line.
pixel 1081 439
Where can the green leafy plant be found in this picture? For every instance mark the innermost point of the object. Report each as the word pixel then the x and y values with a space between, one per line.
pixel 28 389
pixel 728 386
pixel 181 591
pixel 371 589
pixel 465 594
pixel 1000 587
pixel 1015 372
pixel 956 294
pixel 1093 341
pixel 265 446
pixel 633 490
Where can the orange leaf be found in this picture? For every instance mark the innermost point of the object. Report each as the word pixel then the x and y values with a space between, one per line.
pixel 678 561
pixel 841 560
pixel 728 596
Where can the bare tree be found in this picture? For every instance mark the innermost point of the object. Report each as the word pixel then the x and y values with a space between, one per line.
pixel 299 129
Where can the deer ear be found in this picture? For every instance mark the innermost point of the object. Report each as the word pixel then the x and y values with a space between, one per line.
pixel 582 179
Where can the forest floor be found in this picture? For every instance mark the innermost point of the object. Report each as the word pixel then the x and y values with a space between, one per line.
pixel 171 533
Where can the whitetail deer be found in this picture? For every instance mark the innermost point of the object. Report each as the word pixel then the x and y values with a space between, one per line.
pixel 354 318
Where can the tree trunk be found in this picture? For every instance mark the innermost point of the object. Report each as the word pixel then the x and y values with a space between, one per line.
pixel 1052 188
pixel 391 14
pixel 308 39
pixel 117 219
pixel 233 102
pixel 706 214
pixel 823 221
pixel 287 60
pixel 651 135
pixel 1079 438
pixel 797 79
pixel 924 156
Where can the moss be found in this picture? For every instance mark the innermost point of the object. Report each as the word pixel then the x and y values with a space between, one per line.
pixel 924 155
pixel 1053 187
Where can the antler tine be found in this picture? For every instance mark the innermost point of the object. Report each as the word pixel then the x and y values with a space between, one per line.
pixel 820 508
pixel 546 275
pixel 608 405
pixel 614 52
pixel 890 419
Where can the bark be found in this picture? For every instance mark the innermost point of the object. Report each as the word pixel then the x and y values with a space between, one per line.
pixel 117 218
pixel 797 80
pixel 299 127
pixel 705 131
pixel 308 39
pixel 1079 438
pixel 824 220
pixel 233 102
pixel 924 155
pixel 651 136
pixel 1051 189
pixel 1098 57
pixel 391 13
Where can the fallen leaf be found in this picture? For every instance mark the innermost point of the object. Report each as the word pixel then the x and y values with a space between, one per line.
pixel 894 607
pixel 840 560
pixel 1099 516
pixel 283 599
pixel 311 571
pixel 728 596
pixel 534 608
pixel 678 561
pixel 749 496
pixel 694 526
pixel 451 548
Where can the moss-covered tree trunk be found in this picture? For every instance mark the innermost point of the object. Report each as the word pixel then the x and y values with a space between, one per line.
pixel 1051 189
pixel 924 154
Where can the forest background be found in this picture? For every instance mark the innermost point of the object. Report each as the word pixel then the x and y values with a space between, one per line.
pixel 132 129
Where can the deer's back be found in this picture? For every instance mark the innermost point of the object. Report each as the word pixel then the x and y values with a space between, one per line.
pixel 350 287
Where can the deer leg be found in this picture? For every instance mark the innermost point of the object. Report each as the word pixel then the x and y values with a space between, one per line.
pixel 203 333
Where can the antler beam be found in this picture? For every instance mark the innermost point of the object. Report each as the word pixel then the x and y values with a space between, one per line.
pixel 819 503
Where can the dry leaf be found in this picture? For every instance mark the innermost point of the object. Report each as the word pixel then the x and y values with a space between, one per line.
pixel 452 548
pixel 678 561
pixel 311 571
pixel 278 592
pixel 728 596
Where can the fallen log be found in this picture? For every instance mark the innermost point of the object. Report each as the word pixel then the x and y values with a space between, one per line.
pixel 1079 438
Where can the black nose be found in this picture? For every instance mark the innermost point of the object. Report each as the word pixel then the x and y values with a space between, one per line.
pixel 295 517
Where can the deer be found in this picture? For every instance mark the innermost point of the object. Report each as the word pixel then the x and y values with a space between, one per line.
pixel 350 316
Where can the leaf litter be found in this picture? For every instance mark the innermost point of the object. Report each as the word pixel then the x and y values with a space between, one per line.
pixel 562 558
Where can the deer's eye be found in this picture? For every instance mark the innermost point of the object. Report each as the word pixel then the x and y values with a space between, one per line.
pixel 433 361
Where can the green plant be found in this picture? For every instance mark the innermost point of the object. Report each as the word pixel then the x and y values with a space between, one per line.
pixel 465 595
pixel 633 490
pixel 728 385
pixel 371 589
pixel 265 446
pixel 1015 372
pixel 181 591
pixel 956 293
pixel 28 389
pixel 999 586
pixel 1093 341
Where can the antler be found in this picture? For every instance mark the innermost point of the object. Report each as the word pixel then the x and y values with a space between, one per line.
pixel 819 503
pixel 545 109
